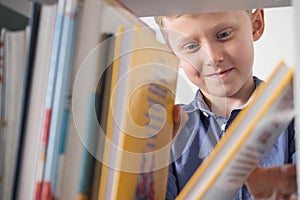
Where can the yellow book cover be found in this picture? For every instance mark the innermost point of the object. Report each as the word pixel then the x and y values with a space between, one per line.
pixel 142 113
pixel 250 135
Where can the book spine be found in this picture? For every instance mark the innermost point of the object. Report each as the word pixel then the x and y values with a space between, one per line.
pixel 106 78
pixel 49 98
pixel 97 78
pixel 25 94
pixel 2 107
pixel 88 160
pixel 60 112
pixel 36 112
pixel 62 149
pixel 107 145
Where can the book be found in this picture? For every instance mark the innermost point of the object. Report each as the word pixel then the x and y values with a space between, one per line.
pixel 251 134
pixel 14 69
pixel 89 63
pixel 36 112
pixel 138 139
pixel 2 107
pixel 143 8
pixel 61 98
pixel 48 106
pixel 95 94
pixel 26 88
pixel 105 170
pixel 106 80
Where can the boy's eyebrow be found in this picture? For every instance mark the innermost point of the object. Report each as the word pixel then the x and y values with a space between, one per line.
pixel 221 25
pixel 180 38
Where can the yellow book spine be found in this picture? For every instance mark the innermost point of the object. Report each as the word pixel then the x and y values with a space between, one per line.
pixel 107 144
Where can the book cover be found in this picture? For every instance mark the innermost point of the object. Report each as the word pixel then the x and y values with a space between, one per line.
pixel 142 112
pixel 251 134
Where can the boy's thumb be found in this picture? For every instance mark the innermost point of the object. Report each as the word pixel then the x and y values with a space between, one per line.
pixel 180 117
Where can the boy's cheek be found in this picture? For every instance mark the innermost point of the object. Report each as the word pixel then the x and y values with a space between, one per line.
pixel 191 66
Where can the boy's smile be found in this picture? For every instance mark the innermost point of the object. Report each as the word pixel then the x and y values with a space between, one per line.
pixel 222 74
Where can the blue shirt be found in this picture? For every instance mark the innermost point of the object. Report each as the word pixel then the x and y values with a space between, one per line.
pixel 198 137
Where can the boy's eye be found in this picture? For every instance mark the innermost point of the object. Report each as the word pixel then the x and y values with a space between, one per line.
pixel 191 46
pixel 223 35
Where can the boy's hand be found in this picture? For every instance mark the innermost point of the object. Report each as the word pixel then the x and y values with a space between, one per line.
pixel 179 119
pixel 273 183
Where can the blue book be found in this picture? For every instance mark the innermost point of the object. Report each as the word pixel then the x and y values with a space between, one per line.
pixel 60 101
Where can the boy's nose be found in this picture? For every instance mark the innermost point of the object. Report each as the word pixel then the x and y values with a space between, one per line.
pixel 212 54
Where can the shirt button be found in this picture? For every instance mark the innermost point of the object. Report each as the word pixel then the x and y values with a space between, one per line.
pixel 223 127
pixel 205 114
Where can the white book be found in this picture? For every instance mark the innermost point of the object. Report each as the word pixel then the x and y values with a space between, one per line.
pixel 36 114
pixel 13 76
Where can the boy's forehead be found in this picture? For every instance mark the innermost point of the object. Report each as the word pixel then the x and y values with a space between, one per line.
pixel 174 17
pixel 197 15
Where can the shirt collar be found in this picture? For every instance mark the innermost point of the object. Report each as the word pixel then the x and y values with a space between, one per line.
pixel 202 105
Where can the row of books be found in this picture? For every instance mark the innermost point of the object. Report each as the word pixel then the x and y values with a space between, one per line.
pixel 85 91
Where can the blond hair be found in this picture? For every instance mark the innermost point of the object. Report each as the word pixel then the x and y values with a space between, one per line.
pixel 160 21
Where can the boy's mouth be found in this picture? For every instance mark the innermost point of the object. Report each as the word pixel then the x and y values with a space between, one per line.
pixel 220 74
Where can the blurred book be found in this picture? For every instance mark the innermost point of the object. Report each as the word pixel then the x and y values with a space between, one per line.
pixel 139 134
pixel 14 49
pixel 36 113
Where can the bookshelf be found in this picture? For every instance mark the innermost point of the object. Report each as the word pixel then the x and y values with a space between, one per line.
pixel 115 14
pixel 13 19
pixel 21 7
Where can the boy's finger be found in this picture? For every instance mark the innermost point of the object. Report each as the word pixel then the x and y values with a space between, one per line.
pixel 179 119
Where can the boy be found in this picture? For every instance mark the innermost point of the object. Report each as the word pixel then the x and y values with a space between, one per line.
pixel 216 53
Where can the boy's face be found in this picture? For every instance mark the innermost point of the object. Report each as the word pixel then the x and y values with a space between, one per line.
pixel 216 49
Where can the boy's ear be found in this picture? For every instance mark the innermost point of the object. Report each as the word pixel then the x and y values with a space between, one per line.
pixel 258 24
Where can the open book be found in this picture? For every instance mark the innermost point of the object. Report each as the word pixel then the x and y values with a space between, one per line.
pixel 250 135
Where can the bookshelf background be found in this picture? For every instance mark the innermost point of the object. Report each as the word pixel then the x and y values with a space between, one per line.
pixel 18 12
pixel 13 19
pixel 20 6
